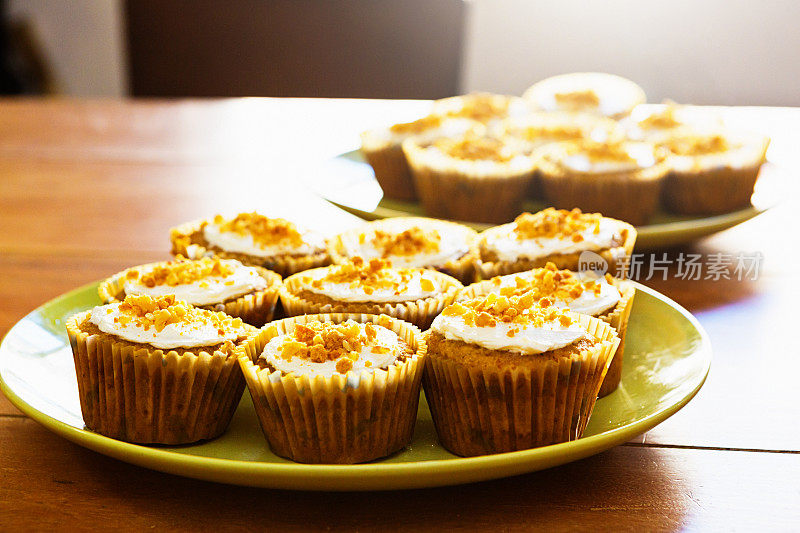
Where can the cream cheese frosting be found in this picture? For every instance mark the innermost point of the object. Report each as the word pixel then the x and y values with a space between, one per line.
pixel 232 282
pixel 600 158
pixel 586 92
pixel 377 348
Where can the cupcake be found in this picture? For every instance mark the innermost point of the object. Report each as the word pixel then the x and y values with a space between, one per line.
pixel 510 373
pixel 226 285
pixel 559 237
pixel 414 242
pixel 594 93
pixel 606 298
pixel 382 148
pixel 487 108
pixel 712 173
pixel 471 177
pixel 415 295
pixel 620 179
pixel 254 240
pixel 341 388
pixel 157 370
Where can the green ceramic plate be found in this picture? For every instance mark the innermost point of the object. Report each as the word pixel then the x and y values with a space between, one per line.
pixel 667 360
pixel 348 182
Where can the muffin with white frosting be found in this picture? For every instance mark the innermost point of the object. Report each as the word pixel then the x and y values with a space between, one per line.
pixel 604 297
pixel 382 148
pixel 487 108
pixel 341 388
pixel 594 93
pixel 555 236
pixel 416 295
pixel 472 177
pixel 509 373
pixel 226 285
pixel 157 370
pixel 619 179
pixel 712 173
pixel 414 242
pixel 253 239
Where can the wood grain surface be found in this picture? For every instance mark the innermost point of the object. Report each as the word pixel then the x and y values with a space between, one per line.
pixel 88 188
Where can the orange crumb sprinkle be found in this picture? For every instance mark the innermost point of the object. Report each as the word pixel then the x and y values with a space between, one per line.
pixel 474 147
pixel 548 284
pixel 577 99
pixel 523 309
pixel 146 312
pixel 663 119
pixel 417 126
pixel 698 145
pixel 555 223
pixel 181 271
pixel 265 231
pixel 482 107
pixel 412 241
pixel 376 274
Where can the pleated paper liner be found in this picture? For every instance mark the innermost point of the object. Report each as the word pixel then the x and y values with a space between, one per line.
pixel 256 308
pixel 617 318
pixel 341 419
pixel 463 268
pixel 391 169
pixel 479 411
pixel 150 396
pixel 710 191
pixel 420 312
pixel 617 258
pixel 449 193
pixel 188 241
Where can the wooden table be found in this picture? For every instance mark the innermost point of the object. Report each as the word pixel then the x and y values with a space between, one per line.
pixel 90 187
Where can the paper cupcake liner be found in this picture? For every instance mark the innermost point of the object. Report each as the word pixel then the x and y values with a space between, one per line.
pixel 420 312
pixel 256 308
pixel 391 170
pixel 710 191
pixel 151 397
pixel 184 239
pixel 478 411
pixel 448 193
pixel 617 259
pixel 341 419
pixel 618 319
pixel 632 197
pixel 463 268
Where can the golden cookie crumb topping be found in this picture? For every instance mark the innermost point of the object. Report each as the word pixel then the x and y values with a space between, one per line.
pixel 563 285
pixel 377 274
pixel 475 147
pixel 698 145
pixel 552 222
pixel 525 310
pixel 482 107
pixel 325 341
pixel 576 100
pixel 265 231
pixel 418 126
pixel 605 151
pixel 181 271
pixel 564 132
pixel 661 120
pixel 414 240
pixel 146 312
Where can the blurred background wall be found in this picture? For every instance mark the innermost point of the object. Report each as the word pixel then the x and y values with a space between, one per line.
pixel 696 51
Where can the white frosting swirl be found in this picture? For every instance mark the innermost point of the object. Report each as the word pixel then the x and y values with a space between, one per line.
pixel 382 359
pixel 206 291
pixel 406 291
pixel 246 244
pixel 503 242
pixel 527 340
pixel 178 335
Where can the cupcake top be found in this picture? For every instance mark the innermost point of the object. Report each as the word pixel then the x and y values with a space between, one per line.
pixel 579 293
pixel 409 241
pixel 658 122
pixel 259 236
pixel 203 281
pixel 591 157
pixel 372 281
pixel 165 322
pixel 595 93
pixel 486 108
pixel 326 349
pixel 539 129
pixel 427 128
pixel 549 232
pixel 714 150
pixel 520 323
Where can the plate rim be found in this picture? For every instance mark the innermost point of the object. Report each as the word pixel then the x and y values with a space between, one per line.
pixel 367 476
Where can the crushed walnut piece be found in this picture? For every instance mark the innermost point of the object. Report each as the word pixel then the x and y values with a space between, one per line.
pixel 325 341
pixel 577 99
pixel 474 147
pixel 698 145
pixel 181 271
pixel 524 309
pixel 552 222
pixel 548 282
pixel 147 312
pixel 418 126
pixel 377 274
pixel 265 231
pixel 414 240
